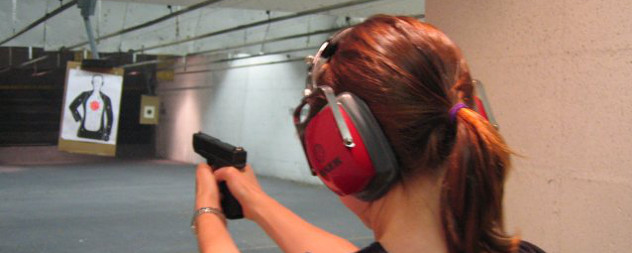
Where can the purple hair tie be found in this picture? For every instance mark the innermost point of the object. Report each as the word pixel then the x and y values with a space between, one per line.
pixel 455 109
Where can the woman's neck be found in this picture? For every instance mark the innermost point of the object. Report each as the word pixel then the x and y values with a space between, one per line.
pixel 408 218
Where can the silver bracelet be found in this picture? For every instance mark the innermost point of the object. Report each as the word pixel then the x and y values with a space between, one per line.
pixel 204 210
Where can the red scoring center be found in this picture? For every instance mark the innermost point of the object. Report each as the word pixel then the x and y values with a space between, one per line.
pixel 94 105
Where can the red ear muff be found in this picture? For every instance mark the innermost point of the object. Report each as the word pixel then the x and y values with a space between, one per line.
pixel 367 169
pixel 344 170
pixel 482 103
pixel 480 108
pixel 343 142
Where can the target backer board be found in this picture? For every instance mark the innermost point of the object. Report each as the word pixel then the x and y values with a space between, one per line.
pixel 91 110
pixel 149 110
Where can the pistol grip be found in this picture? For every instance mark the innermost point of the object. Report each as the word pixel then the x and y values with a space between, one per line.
pixel 230 205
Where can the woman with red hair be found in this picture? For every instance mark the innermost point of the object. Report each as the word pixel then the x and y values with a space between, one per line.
pixel 434 184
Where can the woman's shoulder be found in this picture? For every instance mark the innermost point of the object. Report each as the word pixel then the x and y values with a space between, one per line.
pixel 525 247
pixel 375 247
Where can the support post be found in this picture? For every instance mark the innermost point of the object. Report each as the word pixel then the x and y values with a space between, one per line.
pixel 87 9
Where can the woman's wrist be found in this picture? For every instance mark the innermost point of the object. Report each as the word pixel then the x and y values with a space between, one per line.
pixel 202 213
pixel 209 218
pixel 260 209
pixel 207 201
pixel 212 232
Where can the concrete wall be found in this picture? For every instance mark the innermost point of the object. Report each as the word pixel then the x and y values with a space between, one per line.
pixel 250 107
pixel 558 75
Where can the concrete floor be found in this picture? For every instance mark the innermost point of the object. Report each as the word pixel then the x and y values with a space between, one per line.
pixel 137 206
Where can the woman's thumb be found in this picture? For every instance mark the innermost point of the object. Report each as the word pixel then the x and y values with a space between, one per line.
pixel 203 172
pixel 225 173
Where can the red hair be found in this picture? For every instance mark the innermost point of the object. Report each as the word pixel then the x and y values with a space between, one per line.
pixel 410 74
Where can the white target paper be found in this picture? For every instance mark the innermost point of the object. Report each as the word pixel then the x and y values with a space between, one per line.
pixel 91 107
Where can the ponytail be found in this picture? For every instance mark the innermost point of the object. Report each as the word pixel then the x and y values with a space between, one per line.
pixel 471 199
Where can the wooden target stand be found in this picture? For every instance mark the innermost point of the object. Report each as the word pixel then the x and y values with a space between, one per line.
pixel 79 146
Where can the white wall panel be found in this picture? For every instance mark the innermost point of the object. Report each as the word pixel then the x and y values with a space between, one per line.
pixel 249 106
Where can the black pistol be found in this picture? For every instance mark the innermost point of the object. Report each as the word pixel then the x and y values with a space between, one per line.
pixel 219 154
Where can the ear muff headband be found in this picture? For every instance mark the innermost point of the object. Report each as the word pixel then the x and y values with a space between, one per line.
pixel 482 103
pixel 342 125
pixel 326 50
pixel 380 152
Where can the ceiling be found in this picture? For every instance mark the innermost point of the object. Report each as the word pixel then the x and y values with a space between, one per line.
pixel 393 7
pixel 67 30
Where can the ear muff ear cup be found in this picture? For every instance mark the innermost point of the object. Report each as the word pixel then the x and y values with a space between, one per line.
pixel 366 170
pixel 380 151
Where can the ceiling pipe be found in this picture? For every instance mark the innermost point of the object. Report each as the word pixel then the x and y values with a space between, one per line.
pixel 240 66
pixel 130 29
pixel 33 61
pixel 174 58
pixel 149 23
pixel 87 9
pixel 235 47
pixel 241 57
pixel 258 23
pixel 41 20
pixel 219 69
pixel 254 43
pixel 143 63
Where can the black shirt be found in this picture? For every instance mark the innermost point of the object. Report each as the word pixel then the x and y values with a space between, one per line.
pixel 525 247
